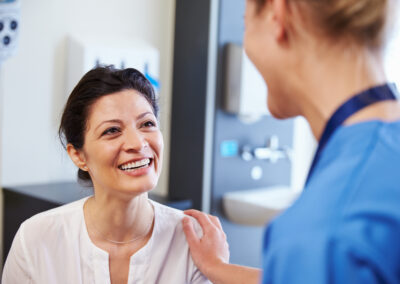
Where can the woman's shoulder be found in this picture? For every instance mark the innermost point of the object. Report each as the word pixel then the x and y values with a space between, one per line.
pixel 170 219
pixel 166 217
pixel 51 221
pixel 377 130
pixel 63 210
pixel 50 235
pixel 167 210
pixel 170 246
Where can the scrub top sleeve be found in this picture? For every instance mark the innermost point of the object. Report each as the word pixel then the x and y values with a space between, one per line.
pixel 16 268
pixel 313 259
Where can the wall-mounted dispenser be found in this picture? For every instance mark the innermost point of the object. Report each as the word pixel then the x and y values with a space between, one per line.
pixel 9 27
pixel 245 91
pixel 87 52
pixel 9 31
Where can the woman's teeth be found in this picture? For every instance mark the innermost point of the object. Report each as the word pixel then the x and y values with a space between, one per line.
pixel 135 165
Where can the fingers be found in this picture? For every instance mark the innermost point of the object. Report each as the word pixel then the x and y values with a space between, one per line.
pixel 215 221
pixel 188 229
pixel 198 215
pixel 202 218
pixel 206 221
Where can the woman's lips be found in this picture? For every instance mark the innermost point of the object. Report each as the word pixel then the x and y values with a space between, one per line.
pixel 137 163
pixel 138 168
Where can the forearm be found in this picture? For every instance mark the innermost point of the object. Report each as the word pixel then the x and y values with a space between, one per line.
pixel 225 273
pixel 210 253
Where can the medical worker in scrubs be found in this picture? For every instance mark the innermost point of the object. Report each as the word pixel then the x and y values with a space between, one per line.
pixel 322 59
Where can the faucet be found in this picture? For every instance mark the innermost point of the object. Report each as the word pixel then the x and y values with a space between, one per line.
pixel 271 153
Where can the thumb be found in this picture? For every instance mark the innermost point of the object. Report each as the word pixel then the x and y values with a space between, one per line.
pixel 188 229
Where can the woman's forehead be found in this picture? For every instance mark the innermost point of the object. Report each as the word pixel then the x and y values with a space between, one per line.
pixel 123 103
pixel 126 100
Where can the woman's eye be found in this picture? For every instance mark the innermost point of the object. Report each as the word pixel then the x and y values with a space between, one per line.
pixel 111 130
pixel 149 124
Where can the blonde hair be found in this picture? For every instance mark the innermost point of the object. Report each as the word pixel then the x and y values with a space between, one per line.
pixel 362 21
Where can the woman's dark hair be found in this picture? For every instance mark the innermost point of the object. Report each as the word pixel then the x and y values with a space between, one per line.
pixel 98 82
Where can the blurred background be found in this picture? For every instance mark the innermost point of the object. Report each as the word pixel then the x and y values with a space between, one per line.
pixel 223 153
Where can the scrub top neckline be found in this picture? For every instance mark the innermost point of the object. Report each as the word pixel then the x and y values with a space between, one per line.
pixel 365 123
pixel 358 125
pixel 347 109
pixel 340 134
pixel 344 129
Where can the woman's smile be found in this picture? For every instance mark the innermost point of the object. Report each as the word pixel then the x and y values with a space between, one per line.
pixel 136 167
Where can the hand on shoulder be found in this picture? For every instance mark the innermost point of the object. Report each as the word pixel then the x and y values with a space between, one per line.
pixel 210 252
pixel 212 248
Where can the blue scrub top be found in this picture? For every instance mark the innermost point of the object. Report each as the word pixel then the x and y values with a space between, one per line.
pixel 345 227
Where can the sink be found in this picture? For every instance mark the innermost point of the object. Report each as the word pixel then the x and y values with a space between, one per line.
pixel 256 207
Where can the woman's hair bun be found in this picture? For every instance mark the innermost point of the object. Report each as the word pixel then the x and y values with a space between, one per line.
pixel 361 20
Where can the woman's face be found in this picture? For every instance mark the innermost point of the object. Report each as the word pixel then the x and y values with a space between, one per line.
pixel 123 144
pixel 253 31
pixel 262 42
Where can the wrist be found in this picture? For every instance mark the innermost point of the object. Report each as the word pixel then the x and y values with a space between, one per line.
pixel 226 273
pixel 216 270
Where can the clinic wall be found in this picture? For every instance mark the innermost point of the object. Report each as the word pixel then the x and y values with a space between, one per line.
pixel 34 79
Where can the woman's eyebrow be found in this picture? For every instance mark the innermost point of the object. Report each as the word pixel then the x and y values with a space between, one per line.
pixel 109 121
pixel 144 114
pixel 140 116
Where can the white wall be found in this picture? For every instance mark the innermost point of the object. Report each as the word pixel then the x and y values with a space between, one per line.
pixel 304 147
pixel 392 54
pixel 34 79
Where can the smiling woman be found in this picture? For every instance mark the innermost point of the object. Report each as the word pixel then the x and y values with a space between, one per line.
pixel 110 130
pixel 124 128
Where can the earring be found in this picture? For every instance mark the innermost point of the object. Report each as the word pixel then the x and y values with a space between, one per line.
pixel 85 168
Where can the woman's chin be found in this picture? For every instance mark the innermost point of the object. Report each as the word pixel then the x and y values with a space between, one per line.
pixel 276 113
pixel 136 189
pixel 279 110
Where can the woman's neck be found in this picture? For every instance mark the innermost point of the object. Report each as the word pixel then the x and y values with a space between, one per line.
pixel 119 219
pixel 332 78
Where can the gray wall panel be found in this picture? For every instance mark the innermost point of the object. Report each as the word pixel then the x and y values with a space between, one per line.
pixel 189 100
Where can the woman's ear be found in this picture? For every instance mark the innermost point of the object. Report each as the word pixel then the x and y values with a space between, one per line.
pixel 280 10
pixel 77 157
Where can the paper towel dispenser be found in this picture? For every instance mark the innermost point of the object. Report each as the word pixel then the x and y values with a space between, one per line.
pixel 88 51
pixel 245 92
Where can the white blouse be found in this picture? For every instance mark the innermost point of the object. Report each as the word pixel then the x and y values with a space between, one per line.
pixel 54 247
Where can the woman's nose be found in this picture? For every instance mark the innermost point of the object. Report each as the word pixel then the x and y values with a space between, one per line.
pixel 134 140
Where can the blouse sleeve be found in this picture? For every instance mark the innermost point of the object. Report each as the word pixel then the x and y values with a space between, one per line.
pixel 16 267
pixel 197 277
pixel 317 259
